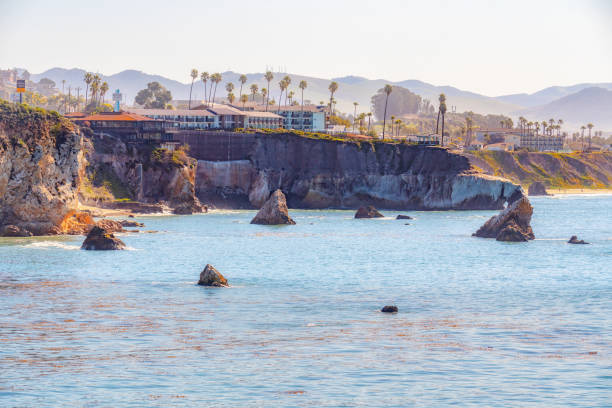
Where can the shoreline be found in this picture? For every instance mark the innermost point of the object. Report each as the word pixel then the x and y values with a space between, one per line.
pixel 574 191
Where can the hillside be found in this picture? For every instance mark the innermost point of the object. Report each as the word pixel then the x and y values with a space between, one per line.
pixel 549 94
pixel 555 170
pixel 592 105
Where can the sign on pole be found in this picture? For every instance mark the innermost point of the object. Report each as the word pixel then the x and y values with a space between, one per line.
pixel 21 85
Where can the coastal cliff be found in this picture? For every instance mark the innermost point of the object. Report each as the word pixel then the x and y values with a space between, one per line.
pixel 319 173
pixel 40 162
pixel 144 173
pixel 553 170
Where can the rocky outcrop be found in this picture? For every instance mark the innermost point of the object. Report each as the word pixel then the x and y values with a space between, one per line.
pixel 403 217
pixel 368 212
pixel 100 239
pixel 210 276
pixel 128 223
pixel 316 173
pixel 14 231
pixel 537 189
pixel 511 224
pixel 574 240
pixel 145 175
pixel 389 309
pixel 40 155
pixel 274 211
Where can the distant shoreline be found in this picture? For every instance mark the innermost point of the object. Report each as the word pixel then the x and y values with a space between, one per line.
pixel 559 191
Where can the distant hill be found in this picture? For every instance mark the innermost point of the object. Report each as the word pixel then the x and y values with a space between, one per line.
pixel 592 105
pixel 360 90
pixel 548 94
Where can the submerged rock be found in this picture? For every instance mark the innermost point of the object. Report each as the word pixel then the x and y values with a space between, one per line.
pixel 100 239
pixel 274 211
pixel 14 231
pixel 389 309
pixel 537 189
pixel 210 276
pixel 574 240
pixel 511 224
pixel 403 217
pixel 368 212
pixel 126 223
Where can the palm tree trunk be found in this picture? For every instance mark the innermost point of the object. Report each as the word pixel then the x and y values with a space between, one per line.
pixel 280 98
pixel 302 116
pixel 190 89
pixel 86 92
pixel 385 117
pixel 205 99
pixel 442 144
pixel 437 121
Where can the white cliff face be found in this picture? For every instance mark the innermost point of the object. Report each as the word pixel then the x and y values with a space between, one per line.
pixel 324 174
pixel 38 179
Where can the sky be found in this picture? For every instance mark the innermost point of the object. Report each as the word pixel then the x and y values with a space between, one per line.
pixel 492 47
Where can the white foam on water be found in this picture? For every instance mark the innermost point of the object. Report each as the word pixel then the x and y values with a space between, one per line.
pixel 52 245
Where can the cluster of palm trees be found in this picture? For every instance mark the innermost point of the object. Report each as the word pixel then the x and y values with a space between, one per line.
pixel 93 83
pixel 209 92
pixel 582 129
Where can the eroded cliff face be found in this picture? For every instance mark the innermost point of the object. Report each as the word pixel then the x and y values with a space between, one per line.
pixel 329 174
pixel 40 155
pixel 141 172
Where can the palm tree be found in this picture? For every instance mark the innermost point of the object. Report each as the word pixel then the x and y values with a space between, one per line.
pixel 583 128
pixel 103 90
pixel 88 79
pixel 242 79
pixel 392 124
pixel 231 97
pixel 590 126
pixel 388 89
pixel 399 124
pixel 204 76
pixel 244 99
pixel 354 115
pixel 559 122
pixel 269 76
pixel 442 110
pixel 291 94
pixel 95 87
pixel 369 120
pixel 469 126
pixel 303 85
pixel 282 85
pixel 254 89
pixel 287 80
pixel 264 93
pixel 333 87
pixel 215 79
pixel 194 75
pixel 229 87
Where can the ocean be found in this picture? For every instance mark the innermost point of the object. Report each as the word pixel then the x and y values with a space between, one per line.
pixel 480 323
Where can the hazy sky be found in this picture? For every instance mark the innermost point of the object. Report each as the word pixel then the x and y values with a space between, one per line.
pixel 486 46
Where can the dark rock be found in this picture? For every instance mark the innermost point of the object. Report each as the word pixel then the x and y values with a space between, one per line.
pixel 511 224
pixel 389 309
pixel 537 189
pixel 100 239
pixel 14 231
pixel 126 223
pixel 368 212
pixel 110 225
pixel 574 240
pixel 274 211
pixel 212 277
pixel 403 217
pixel 188 208
pixel 131 216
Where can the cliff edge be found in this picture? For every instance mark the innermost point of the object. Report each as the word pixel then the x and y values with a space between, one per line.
pixel 40 155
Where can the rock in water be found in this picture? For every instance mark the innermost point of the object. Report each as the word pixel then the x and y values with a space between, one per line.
pixel 403 217
pixel 101 240
pixel 14 231
pixel 537 189
pixel 212 277
pixel 511 224
pixel 574 240
pixel 274 211
pixel 368 212
pixel 126 223
pixel 389 309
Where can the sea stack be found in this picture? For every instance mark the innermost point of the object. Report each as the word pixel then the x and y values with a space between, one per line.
pixel 368 212
pixel 512 224
pixel 210 276
pixel 574 240
pixel 274 211
pixel 100 239
pixel 537 189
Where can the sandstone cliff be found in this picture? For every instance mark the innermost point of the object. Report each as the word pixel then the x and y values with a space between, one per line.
pixel 144 173
pixel 317 173
pixel 40 155
pixel 554 170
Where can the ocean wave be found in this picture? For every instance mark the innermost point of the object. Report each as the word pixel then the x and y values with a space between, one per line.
pixel 52 245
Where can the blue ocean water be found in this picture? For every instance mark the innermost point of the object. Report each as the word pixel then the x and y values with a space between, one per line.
pixel 480 323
